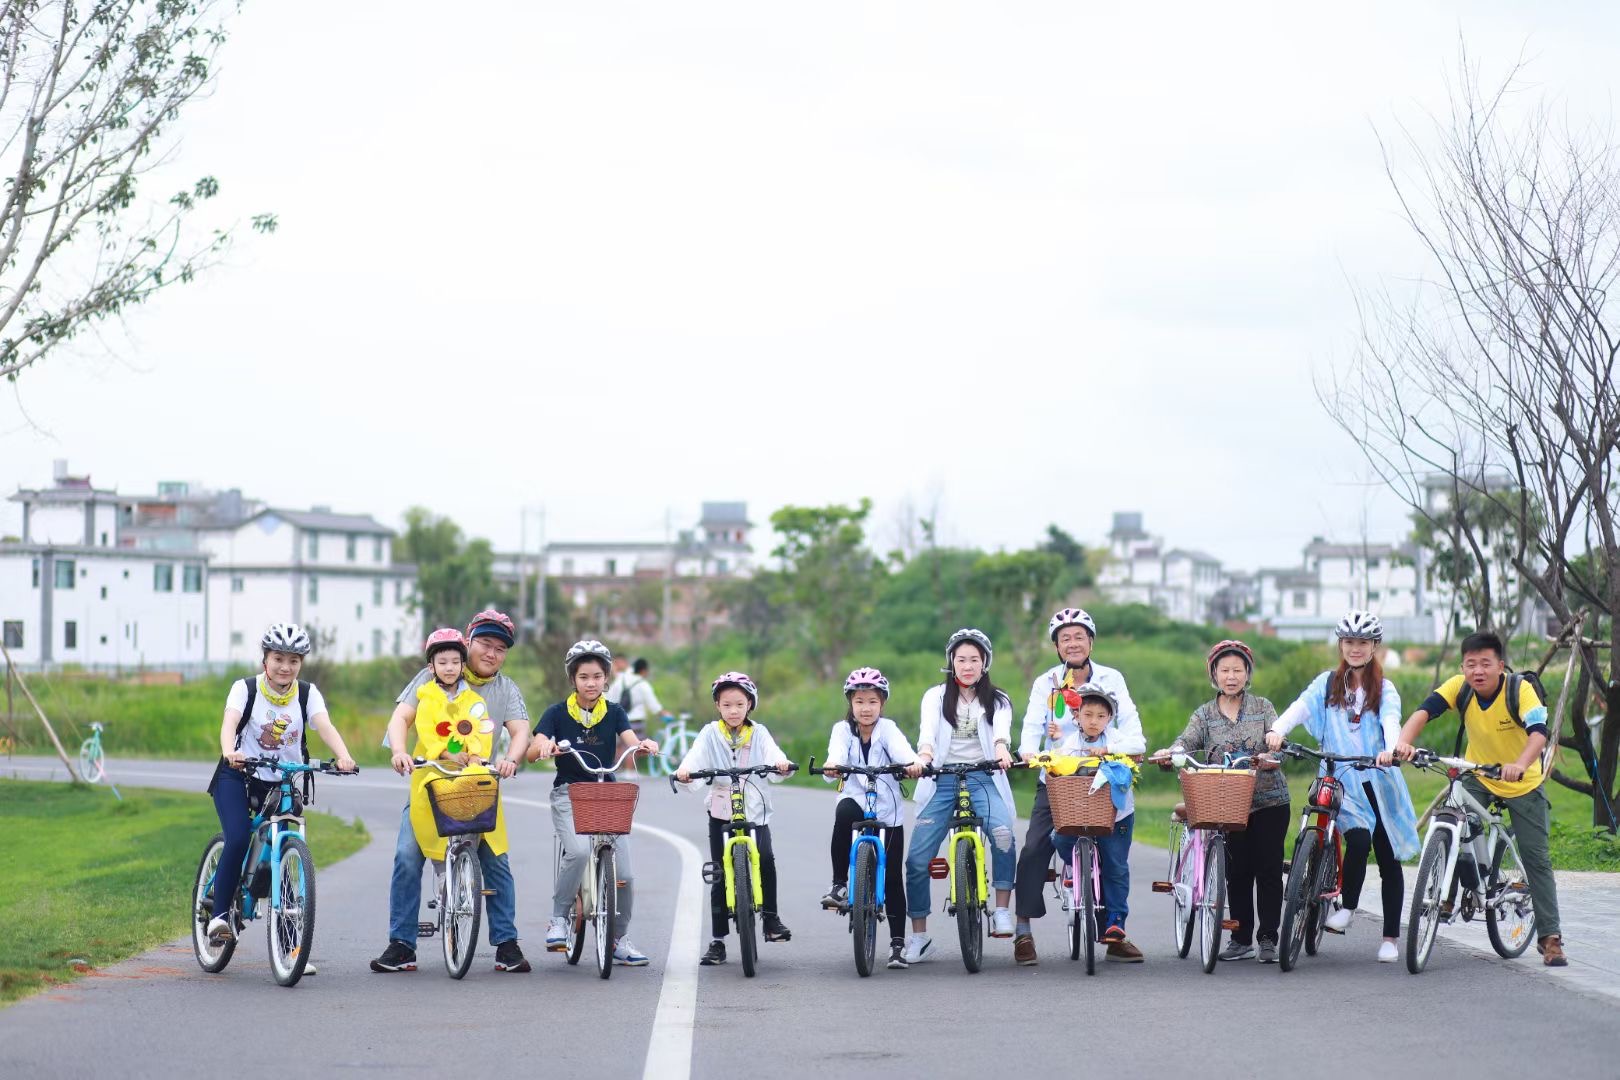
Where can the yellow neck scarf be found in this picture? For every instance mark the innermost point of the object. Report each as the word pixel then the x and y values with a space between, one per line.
pixel 584 720
pixel 273 697
pixel 736 741
pixel 473 678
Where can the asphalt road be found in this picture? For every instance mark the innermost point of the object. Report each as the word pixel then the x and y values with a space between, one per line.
pixel 806 1013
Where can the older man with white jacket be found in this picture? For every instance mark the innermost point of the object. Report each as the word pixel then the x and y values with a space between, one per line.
pixel 1073 632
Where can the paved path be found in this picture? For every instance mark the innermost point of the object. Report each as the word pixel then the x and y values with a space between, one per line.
pixel 807 1013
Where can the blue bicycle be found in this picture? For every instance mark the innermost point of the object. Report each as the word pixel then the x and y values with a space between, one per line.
pixel 868 865
pixel 278 879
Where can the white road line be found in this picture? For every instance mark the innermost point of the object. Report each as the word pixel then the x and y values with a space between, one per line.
pixel 669 1051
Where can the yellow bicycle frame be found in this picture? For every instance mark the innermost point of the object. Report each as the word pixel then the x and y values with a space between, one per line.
pixel 978 855
pixel 740 814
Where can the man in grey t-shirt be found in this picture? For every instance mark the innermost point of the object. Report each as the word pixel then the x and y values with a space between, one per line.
pixel 489 636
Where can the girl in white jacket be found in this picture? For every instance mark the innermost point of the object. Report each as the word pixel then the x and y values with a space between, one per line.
pixel 732 742
pixel 866 737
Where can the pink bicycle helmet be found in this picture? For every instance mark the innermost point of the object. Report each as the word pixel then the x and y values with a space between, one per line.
pixel 493 623
pixel 445 637
pixel 867 678
pixel 741 682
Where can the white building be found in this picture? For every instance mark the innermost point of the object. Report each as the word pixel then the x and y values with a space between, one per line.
pixel 188 581
pixel 333 573
pixel 1305 602
pixel 69 594
pixel 1182 583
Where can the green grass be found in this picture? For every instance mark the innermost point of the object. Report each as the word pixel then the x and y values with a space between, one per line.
pixel 86 880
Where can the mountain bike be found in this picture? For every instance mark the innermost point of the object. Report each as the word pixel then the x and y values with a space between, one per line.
pixel 1216 798
pixel 603 811
pixel 739 860
pixel 868 865
pixel 278 879
pixel 1465 831
pixel 465 806
pixel 968 869
pixel 1316 870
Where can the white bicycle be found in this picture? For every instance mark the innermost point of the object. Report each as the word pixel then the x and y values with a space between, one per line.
pixel 602 811
pixel 1464 830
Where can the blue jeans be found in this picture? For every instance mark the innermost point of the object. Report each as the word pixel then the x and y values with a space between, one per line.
pixel 405 890
pixel 934 824
pixel 1114 866
pixel 236 822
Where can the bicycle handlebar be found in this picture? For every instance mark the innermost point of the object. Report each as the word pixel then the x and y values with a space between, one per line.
pixel 737 774
pixel 434 764
pixel 869 771
pixel 315 765
pixel 961 768
pixel 568 748
pixel 1360 761
pixel 1428 759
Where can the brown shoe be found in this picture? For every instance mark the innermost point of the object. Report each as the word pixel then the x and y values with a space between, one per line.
pixel 1024 950
pixel 1123 952
pixel 1552 951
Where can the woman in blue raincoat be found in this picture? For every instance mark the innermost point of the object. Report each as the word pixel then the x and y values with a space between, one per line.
pixel 1355 711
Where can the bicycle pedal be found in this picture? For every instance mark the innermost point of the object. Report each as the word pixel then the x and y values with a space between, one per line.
pixel 939 869
pixel 1229 924
pixel 1164 886
pixel 486 892
pixel 433 905
pixel 711 873
pixel 426 929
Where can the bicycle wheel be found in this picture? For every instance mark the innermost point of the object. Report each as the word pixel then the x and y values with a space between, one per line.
pixel 1075 914
pixel 1298 898
pixel 577 922
pixel 742 876
pixel 291 926
pixel 969 910
pixel 863 909
pixel 1327 879
pixel 92 766
pixel 1212 902
pixel 1510 913
pixel 1085 864
pixel 461 910
pixel 1183 872
pixel 1423 921
pixel 211 955
pixel 607 909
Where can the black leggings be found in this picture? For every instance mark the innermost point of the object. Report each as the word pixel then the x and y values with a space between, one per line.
pixel 719 831
pixel 894 872
pixel 1357 842
pixel 1254 860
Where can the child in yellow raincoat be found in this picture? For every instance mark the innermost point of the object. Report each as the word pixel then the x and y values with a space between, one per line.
pixel 453 725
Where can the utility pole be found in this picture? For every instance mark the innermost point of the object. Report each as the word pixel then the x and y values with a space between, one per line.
pixel 523 573
pixel 669 574
pixel 540 577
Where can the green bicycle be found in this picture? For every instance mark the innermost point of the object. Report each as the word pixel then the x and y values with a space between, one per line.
pixel 739 861
pixel 968 868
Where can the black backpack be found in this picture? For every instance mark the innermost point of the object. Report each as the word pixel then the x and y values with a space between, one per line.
pixel 626 698
pixel 303 728
pixel 1510 687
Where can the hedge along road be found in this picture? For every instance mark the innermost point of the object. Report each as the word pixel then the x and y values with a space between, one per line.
pixel 807 1012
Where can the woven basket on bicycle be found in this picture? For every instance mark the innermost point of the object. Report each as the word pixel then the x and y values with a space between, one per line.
pixel 464 804
pixel 603 808
pixel 1218 798
pixel 1076 809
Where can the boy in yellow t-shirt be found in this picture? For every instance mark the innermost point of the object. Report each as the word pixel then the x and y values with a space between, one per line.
pixel 1495 737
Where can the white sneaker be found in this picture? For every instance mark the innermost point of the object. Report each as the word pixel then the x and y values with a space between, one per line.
pixel 1339 918
pixel 557 934
pixel 309 969
pixel 916 948
pixel 627 954
pixel 220 929
pixel 1387 953
pixel 1001 923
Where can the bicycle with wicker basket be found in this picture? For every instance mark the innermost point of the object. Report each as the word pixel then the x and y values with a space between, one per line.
pixel 465 805
pixel 1084 811
pixel 1216 798
pixel 603 810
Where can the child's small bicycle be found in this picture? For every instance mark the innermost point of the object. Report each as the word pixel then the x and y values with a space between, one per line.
pixel 278 879
pixel 739 860
pixel 603 811
pixel 967 869
pixel 868 866
pixel 92 761
pixel 1216 798
pixel 465 807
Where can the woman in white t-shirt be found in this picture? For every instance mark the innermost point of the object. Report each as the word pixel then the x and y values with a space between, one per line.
pixel 274 727
pixel 965 719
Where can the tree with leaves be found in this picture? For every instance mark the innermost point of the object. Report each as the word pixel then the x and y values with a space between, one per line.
pixel 454 576
pixel 1019 587
pixel 830 577
pixel 89 99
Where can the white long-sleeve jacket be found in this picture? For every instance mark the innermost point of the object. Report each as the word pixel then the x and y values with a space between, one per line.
pixel 888 747
pixel 710 750
pixel 935 733
pixel 1125 735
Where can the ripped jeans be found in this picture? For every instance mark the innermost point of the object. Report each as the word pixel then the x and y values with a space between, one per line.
pixel 933 824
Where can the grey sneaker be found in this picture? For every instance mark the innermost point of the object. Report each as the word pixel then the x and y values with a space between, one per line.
pixel 1237 950
pixel 1268 951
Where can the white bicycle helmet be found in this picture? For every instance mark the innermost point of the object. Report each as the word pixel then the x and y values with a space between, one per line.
pixel 1070 616
pixel 1100 693
pixel 1361 625
pixel 978 637
pixel 285 637
pixel 590 648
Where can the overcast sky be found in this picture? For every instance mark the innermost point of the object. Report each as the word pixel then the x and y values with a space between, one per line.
pixel 1030 263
